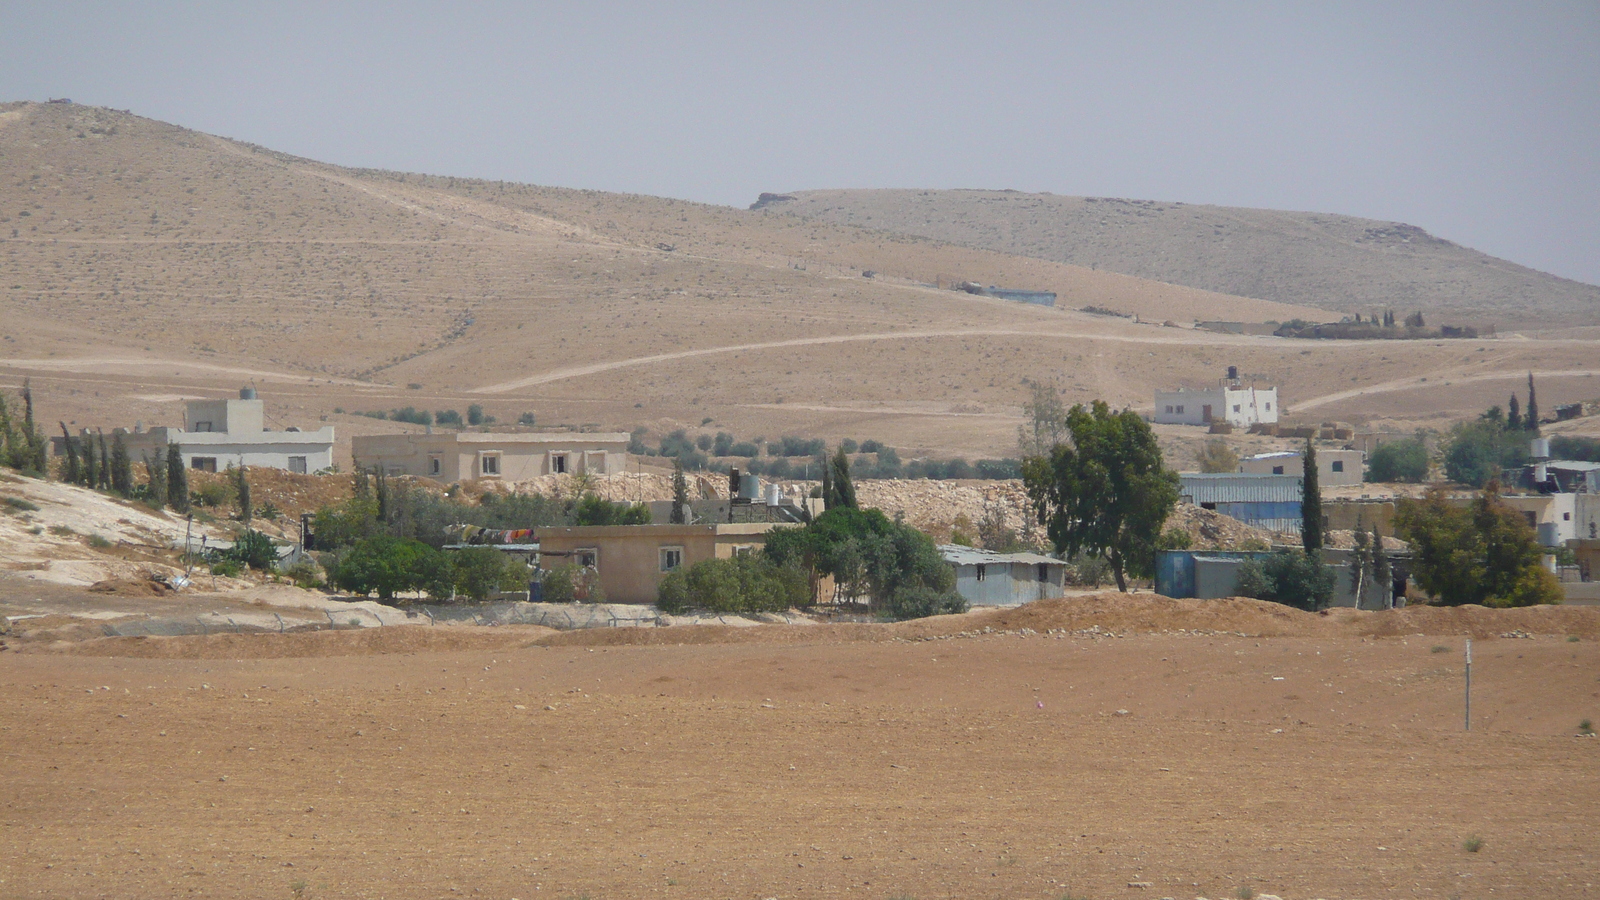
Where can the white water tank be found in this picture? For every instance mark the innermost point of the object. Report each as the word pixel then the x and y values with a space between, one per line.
pixel 1539 448
pixel 774 495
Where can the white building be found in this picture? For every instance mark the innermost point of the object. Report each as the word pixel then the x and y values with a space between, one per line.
pixel 217 434
pixel 1334 467
pixel 1239 406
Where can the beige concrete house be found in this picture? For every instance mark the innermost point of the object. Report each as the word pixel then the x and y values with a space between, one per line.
pixel 461 456
pixel 1333 466
pixel 632 559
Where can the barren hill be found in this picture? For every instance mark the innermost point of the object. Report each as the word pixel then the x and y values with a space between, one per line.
pixel 146 263
pixel 1311 259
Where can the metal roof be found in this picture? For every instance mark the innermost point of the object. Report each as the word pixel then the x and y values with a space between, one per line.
pixel 1571 465
pixel 1239 487
pixel 959 555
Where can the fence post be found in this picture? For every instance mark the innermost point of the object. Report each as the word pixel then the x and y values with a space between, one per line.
pixel 1469 684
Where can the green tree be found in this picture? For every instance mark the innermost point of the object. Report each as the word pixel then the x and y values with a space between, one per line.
pixel 1106 493
pixel 843 488
pixel 1513 415
pixel 478 571
pixel 177 480
pixel 1382 572
pixel 91 468
pixel 242 490
pixel 593 509
pixel 103 470
pixel 1311 521
pixel 155 471
pixel 1216 457
pixel 1483 553
pixel 389 565
pixel 1292 577
pixel 1475 453
pixel 71 469
pixel 868 556
pixel 121 466
pixel 1404 461
pixel 1530 420
pixel 475 414
pixel 680 493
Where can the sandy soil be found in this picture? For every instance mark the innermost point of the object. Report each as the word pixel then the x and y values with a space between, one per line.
pixel 1325 762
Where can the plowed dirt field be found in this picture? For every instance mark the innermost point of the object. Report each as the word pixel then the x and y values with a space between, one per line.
pixel 1321 757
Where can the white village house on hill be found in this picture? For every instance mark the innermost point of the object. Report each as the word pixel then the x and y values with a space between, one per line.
pixel 458 456
pixel 1230 401
pixel 217 434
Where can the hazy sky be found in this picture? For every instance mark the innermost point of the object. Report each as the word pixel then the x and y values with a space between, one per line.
pixel 1478 123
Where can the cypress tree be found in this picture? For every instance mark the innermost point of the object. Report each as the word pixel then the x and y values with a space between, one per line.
pixel 121 466
pixel 91 469
pixel 680 492
pixel 156 474
pixel 177 480
pixel 1310 502
pixel 1530 420
pixel 103 471
pixel 382 483
pixel 1381 573
pixel 842 486
pixel 830 498
pixel 34 441
pixel 243 485
pixel 1513 415
pixel 71 472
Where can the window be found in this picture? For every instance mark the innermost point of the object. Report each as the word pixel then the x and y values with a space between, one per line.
pixel 202 426
pixel 558 463
pixel 1044 572
pixel 983 572
pixel 1566 517
pixel 671 558
pixel 1169 409
pixel 1210 506
pixel 489 463
pixel 1277 470
pixel 297 464
pixel 1180 410
pixel 1337 465
pixel 1269 407
pixel 203 463
pixel 1236 407
pixel 435 465
pixel 587 558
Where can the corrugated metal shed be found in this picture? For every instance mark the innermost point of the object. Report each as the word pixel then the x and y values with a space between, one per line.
pixel 958 555
pixel 1239 487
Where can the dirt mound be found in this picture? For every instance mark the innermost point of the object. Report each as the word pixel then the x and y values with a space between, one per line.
pixel 1479 621
pixel 125 587
pixel 344 642
pixel 1211 530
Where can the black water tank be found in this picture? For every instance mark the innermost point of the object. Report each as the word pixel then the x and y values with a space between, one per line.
pixel 1233 373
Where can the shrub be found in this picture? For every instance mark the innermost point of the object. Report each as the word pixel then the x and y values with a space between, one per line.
pixel 98 542
pixel 1291 577
pixel 447 417
pixel 213 494
pixel 1399 461
pixel 1472 844
pixel 475 415
pixel 920 601
pixel 18 505
pixel 253 549
pixel 305 574
pixel 388 565
pixel 227 568
pixel 526 419
pixel 742 584
pixel 744 449
pixel 478 571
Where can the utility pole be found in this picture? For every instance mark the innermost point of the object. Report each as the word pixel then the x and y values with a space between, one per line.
pixel 1469 684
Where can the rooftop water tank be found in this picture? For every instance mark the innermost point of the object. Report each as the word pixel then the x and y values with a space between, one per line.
pixel 774 495
pixel 247 393
pixel 749 486
pixel 1539 448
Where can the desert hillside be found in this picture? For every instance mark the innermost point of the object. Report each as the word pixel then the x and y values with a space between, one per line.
pixel 146 264
pixel 1306 258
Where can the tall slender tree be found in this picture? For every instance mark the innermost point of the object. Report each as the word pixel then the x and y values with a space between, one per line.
pixel 177 480
pixel 843 488
pixel 1310 502
pixel 680 493
pixel 121 465
pixel 71 470
pixel 155 471
pixel 34 441
pixel 242 484
pixel 1530 420
pixel 103 471
pixel 91 465
pixel 1382 574
pixel 1513 414
pixel 830 497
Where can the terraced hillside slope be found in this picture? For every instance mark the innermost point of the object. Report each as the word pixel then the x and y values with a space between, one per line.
pixel 145 263
pixel 1312 259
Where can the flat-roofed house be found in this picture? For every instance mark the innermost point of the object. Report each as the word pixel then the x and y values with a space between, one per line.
pixel 517 456
pixel 1333 466
pixel 632 559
